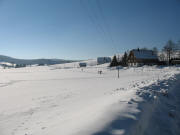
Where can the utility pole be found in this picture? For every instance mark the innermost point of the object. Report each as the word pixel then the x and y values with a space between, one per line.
pixel 118 71
pixel 118 66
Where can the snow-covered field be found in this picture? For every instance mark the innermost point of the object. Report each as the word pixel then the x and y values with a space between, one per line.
pixel 66 100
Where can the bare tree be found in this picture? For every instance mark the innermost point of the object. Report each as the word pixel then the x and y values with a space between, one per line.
pixel 144 48
pixel 178 48
pixel 162 57
pixel 169 49
pixel 155 50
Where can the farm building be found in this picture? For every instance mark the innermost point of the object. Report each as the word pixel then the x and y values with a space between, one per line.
pixel 139 57
pixel 175 61
pixel 103 60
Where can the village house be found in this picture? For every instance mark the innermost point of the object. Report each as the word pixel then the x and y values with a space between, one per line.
pixel 140 57
pixel 175 61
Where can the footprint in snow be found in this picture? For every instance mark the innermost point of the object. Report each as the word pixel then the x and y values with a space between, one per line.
pixel 130 102
pixel 43 128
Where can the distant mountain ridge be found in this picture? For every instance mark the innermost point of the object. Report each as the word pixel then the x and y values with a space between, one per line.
pixel 8 59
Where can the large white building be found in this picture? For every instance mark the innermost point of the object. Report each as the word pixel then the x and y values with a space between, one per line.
pixel 102 60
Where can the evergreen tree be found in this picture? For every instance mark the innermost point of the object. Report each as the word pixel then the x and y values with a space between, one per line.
pixel 124 59
pixel 114 62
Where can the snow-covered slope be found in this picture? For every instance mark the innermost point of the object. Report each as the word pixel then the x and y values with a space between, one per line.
pixel 32 61
pixel 51 100
pixel 90 63
pixel 6 64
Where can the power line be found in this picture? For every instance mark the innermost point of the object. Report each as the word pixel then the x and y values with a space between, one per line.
pixel 105 23
pixel 96 21
pixel 93 20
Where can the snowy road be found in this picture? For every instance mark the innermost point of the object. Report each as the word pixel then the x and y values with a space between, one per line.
pixel 53 100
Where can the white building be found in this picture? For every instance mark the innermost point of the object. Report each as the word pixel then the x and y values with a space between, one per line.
pixel 102 60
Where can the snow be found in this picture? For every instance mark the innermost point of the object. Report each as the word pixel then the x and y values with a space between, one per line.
pixel 163 117
pixel 64 99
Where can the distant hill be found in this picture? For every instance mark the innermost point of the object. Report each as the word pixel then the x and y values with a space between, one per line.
pixel 33 61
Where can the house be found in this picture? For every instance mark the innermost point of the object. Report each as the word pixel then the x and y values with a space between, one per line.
pixel 175 61
pixel 103 60
pixel 139 57
pixel 82 64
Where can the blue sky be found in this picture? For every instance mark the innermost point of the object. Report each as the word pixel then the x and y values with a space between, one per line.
pixel 83 29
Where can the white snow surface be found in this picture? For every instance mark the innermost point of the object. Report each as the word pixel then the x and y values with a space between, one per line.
pixel 66 100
